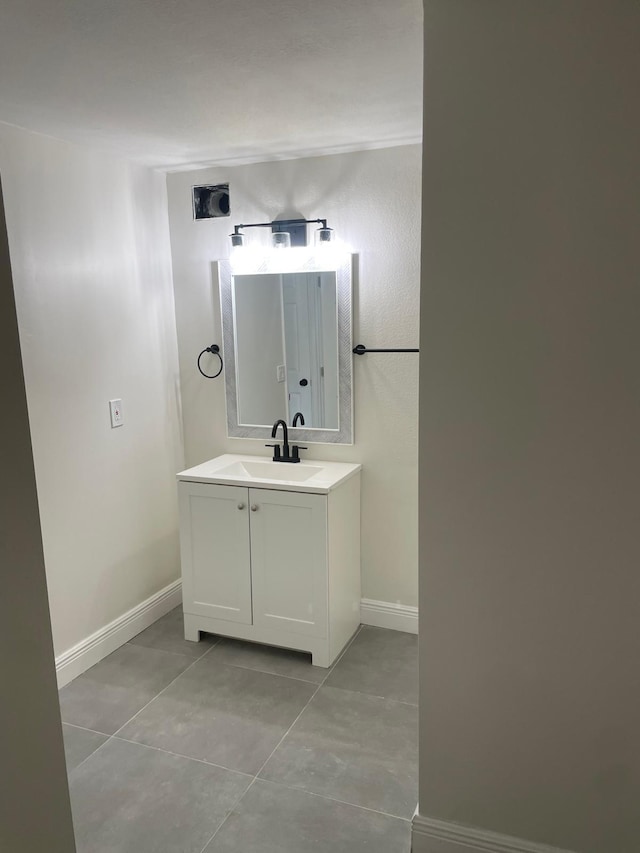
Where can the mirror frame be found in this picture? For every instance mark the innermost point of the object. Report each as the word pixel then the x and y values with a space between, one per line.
pixel 342 266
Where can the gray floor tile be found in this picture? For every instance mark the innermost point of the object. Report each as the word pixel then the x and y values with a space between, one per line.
pixel 104 697
pixel 269 659
pixel 273 819
pixel 382 663
pixel 353 747
pixel 167 634
pixel 79 744
pixel 131 799
pixel 223 714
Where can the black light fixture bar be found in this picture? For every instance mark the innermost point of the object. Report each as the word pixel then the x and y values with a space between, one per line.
pixel 278 222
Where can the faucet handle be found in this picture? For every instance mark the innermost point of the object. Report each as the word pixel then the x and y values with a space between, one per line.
pixel 294 450
pixel 276 450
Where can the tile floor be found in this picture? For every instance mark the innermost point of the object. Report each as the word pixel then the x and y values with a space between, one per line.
pixel 221 746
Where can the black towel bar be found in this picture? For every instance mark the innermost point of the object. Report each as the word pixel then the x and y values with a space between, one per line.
pixel 361 349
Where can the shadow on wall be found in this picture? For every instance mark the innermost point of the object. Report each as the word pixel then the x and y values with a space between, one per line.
pixel 297 192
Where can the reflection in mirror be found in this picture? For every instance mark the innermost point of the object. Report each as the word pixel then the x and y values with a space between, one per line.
pixel 286 332
pixel 287 345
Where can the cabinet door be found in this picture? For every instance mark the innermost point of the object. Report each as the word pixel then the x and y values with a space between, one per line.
pixel 215 553
pixel 289 561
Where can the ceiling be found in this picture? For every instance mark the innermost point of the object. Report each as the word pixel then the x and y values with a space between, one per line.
pixel 184 83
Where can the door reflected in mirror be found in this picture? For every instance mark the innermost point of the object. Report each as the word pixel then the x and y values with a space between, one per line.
pixel 286 335
pixel 287 339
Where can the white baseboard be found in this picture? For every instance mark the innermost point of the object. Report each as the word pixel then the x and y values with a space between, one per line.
pixel 76 660
pixel 385 614
pixel 88 652
pixel 429 835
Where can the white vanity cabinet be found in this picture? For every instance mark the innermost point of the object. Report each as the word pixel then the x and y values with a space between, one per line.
pixel 272 563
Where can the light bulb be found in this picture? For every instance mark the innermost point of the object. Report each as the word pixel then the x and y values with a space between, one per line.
pixel 281 240
pixel 324 236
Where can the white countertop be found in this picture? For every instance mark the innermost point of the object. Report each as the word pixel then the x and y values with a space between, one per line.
pixel 259 472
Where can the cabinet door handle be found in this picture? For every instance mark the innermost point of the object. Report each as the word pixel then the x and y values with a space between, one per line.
pixel 240 506
pixel 254 507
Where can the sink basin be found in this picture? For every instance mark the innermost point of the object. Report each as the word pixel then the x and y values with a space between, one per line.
pixel 259 472
pixel 285 471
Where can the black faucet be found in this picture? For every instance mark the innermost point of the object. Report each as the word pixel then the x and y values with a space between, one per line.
pixel 296 417
pixel 285 455
pixel 285 435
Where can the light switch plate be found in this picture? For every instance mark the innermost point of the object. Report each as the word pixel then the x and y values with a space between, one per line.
pixel 280 373
pixel 115 409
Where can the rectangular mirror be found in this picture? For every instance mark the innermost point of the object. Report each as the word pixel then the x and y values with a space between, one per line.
pixel 287 345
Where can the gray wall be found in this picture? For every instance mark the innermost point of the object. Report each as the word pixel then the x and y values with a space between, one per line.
pixel 34 798
pixel 530 420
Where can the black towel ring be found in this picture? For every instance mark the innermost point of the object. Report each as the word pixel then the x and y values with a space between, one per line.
pixel 215 349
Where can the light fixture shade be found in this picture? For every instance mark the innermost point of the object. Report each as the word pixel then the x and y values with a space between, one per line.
pixel 324 236
pixel 281 240
pixel 237 240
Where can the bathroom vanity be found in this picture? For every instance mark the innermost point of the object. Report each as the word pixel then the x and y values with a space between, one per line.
pixel 270 552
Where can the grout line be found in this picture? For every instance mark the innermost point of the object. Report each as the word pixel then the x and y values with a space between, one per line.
pixel 302 791
pixel 149 649
pixel 166 687
pixel 182 755
pixel 341 655
pixel 361 692
pixel 91 754
pixel 212 646
pixel 109 737
pixel 307 705
pixel 288 730
pixel 271 672
pixel 336 800
pixel 167 652
pixel 229 813
pixel 86 729
pixel 374 696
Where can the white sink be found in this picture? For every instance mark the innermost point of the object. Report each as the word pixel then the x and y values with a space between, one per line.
pixel 289 471
pixel 261 473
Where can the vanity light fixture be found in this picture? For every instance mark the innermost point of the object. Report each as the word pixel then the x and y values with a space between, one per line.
pixel 286 232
